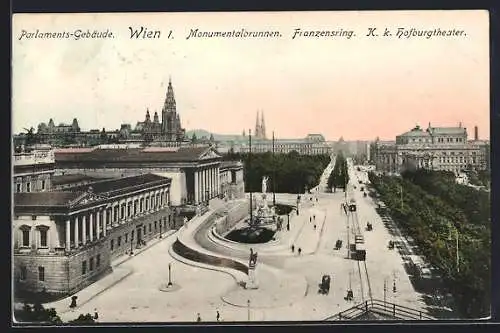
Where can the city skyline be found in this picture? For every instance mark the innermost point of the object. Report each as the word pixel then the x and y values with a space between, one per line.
pixel 383 88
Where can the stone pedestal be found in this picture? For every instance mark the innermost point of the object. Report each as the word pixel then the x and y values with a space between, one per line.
pixel 252 281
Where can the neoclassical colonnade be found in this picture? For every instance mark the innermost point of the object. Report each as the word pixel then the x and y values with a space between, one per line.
pixel 206 183
pixel 96 221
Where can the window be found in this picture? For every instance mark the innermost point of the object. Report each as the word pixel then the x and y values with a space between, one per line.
pixel 28 187
pixel 156 225
pixel 144 229
pixel 43 237
pixel 18 187
pixel 26 236
pixel 98 260
pixel 112 244
pixel 147 203
pixel 84 267
pixel 126 237
pixel 22 273
pixel 132 236
pixel 43 184
pixel 91 264
pixel 119 241
pixel 41 273
pixel 128 210
pixel 122 212
pixel 135 207
pixel 141 205
pixel 150 227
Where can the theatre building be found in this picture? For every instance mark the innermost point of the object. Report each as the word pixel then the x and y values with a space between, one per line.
pixel 65 240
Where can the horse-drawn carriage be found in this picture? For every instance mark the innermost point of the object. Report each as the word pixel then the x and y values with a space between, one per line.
pixel 369 226
pixel 324 286
pixel 338 244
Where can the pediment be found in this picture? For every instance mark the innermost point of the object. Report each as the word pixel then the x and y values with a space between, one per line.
pixel 86 198
pixel 209 154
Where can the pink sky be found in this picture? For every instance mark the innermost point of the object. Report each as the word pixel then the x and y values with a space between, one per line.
pixel 358 88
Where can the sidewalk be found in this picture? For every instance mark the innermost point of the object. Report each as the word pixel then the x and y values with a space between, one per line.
pixel 115 276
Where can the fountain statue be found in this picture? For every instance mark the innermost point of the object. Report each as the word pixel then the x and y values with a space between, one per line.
pixel 263 213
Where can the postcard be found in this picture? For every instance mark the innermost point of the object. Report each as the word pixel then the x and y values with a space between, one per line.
pixel 224 167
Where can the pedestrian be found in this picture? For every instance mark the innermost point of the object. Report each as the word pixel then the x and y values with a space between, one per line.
pixel 315 227
pixel 218 315
pixel 288 226
pixel 96 315
pixel 310 219
pixel 300 250
pixel 314 217
pixel 316 199
pixel 198 319
pixel 293 248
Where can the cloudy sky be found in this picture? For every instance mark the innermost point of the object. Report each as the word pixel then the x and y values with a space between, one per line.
pixel 358 88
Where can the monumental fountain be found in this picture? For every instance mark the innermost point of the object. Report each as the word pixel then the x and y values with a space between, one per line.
pixel 262 223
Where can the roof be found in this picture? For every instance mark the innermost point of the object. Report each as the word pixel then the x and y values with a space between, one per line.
pixel 36 202
pixel 72 178
pixel 120 184
pixel 417 131
pixel 59 198
pixel 181 154
pixel 231 164
pixel 448 130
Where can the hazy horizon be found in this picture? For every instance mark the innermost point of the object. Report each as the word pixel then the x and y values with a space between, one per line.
pixel 357 88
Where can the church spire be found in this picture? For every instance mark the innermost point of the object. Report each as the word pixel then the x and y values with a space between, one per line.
pixel 148 118
pixel 169 105
pixel 262 125
pixel 257 126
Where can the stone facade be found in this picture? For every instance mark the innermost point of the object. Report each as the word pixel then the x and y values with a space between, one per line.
pixel 437 148
pixel 33 171
pixel 65 240
pixel 232 180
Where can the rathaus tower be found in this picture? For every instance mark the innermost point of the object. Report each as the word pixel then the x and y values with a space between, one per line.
pixel 171 129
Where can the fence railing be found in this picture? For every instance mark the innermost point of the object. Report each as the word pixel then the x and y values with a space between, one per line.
pixel 389 310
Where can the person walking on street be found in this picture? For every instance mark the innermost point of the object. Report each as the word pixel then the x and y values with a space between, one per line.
pixel 198 318
pixel 218 315
pixel 293 248
pixel 300 250
pixel 96 315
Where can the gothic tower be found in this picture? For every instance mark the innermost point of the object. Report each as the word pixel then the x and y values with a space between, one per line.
pixel 262 126
pixel 257 127
pixel 171 124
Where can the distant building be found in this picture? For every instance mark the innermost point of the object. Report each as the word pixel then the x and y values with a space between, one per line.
pixel 436 148
pixel 33 170
pixel 65 240
pixel 260 127
pixel 312 144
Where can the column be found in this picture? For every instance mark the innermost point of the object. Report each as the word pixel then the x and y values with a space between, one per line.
pixel 98 223
pixel 77 241
pixel 202 185
pixel 196 184
pixel 68 234
pixel 105 222
pixel 112 214
pixel 84 229
pixel 218 180
pixel 91 224
pixel 211 182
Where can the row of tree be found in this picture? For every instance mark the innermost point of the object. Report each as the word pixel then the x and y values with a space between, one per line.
pixel 288 173
pixel 36 313
pixel 434 210
pixel 339 177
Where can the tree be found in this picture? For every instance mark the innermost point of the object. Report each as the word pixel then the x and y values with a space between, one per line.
pixel 37 313
pixel 83 319
pixel 194 139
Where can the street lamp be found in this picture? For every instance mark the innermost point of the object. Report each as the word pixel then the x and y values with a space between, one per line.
pixel 131 245
pixel 169 275
pixel 161 220
pixel 401 188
